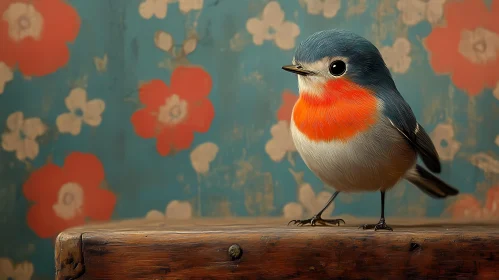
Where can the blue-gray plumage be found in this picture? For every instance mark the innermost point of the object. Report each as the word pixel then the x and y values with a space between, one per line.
pixel 337 65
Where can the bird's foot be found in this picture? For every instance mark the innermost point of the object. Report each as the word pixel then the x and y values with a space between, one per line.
pixel 380 225
pixel 317 220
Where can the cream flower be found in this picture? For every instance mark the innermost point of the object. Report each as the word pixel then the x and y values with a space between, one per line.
pixel 414 11
pixel 69 201
pixel 271 26
pixel 485 162
pixel 443 138
pixel 202 156
pixel 157 8
pixel 6 75
pixel 186 6
pixel 329 8
pixel 281 141
pixel 22 134
pixel 479 45
pixel 21 271
pixel 397 56
pixel 24 21
pixel 310 204
pixel 81 111
pixel 175 210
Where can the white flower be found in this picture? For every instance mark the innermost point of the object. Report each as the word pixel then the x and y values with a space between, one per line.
pixel 24 21
pixel 310 204
pixel 485 162
pixel 22 134
pixel 414 11
pixel 479 45
pixel 445 144
pixel 202 156
pixel 69 201
pixel 157 8
pixel 6 75
pixel 163 40
pixel 271 26
pixel 22 271
pixel 80 111
pixel 329 8
pixel 175 210
pixel 186 6
pixel 397 57
pixel 281 141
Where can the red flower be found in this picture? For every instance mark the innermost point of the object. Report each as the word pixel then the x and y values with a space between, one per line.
pixel 467 47
pixel 469 207
pixel 65 196
pixel 172 114
pixel 288 102
pixel 34 33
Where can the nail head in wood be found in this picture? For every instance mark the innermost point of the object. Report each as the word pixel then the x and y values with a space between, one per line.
pixel 235 252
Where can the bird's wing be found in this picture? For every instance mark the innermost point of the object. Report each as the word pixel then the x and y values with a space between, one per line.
pixel 402 118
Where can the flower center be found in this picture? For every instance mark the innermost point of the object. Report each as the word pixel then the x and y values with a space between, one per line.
pixel 174 111
pixel 69 201
pixel 23 21
pixel 78 112
pixel 479 46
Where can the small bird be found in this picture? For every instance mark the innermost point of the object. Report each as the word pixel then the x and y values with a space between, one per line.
pixel 352 127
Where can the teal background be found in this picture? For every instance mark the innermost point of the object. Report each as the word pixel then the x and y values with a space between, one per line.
pixel 245 111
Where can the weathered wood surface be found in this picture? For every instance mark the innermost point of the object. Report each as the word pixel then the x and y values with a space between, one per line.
pixel 268 249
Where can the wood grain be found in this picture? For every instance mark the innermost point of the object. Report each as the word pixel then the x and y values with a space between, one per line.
pixel 268 250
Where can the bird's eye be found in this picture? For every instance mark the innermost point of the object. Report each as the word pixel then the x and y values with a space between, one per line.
pixel 337 68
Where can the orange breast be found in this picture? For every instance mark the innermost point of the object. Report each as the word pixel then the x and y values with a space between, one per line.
pixel 339 113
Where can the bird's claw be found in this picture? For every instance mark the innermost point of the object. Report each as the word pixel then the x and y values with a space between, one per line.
pixel 317 220
pixel 376 227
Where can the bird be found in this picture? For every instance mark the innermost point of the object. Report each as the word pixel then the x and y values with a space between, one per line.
pixel 353 128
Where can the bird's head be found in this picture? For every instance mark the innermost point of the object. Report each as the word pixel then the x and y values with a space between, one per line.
pixel 330 60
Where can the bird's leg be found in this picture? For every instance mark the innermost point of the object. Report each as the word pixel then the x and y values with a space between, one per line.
pixel 381 224
pixel 318 219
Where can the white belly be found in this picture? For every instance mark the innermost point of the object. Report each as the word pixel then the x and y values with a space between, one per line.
pixel 371 161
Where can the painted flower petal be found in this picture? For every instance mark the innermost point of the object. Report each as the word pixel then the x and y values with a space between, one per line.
pixel 92 112
pixel 6 268
pixel 44 183
pixel 15 121
pixel 163 40
pixel 154 215
pixel 76 99
pixel 331 8
pixel 164 142
pixel 24 271
pixel 288 102
pixel 100 204
pixel 201 116
pixel 272 14
pixel 153 94
pixel 11 141
pixel 306 196
pixel 182 138
pixel 145 123
pixel 69 123
pixel 33 127
pixel 191 82
pixel 178 210
pixel 293 210
pixel 31 148
pixel 258 29
pixel 43 221
pixel 286 34
pixel 86 170
pixel 6 75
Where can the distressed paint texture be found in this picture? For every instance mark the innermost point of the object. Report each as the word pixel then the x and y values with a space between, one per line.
pixel 173 109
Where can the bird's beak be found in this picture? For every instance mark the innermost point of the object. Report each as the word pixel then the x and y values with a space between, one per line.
pixel 298 69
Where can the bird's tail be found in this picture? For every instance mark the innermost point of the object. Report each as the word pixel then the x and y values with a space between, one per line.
pixel 429 183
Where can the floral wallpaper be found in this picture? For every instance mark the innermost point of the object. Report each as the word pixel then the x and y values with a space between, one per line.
pixel 176 109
